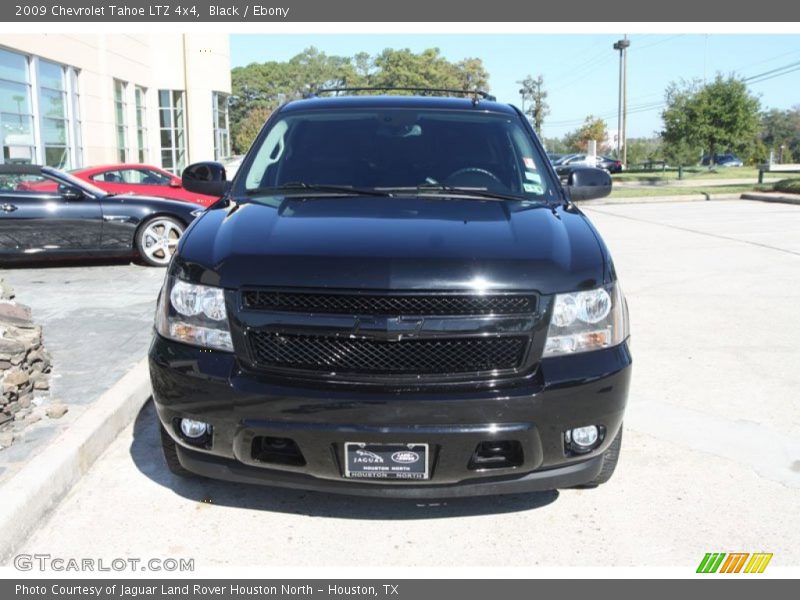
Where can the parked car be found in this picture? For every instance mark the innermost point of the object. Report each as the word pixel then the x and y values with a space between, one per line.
pixel 565 159
pixel 145 180
pixel 395 297
pixel 554 157
pixel 723 160
pixel 46 213
pixel 612 165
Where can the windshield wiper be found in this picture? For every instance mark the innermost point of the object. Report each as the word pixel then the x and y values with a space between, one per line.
pixel 299 186
pixel 441 188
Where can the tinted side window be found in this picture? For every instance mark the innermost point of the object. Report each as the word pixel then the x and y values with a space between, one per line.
pixel 150 177
pixel 108 177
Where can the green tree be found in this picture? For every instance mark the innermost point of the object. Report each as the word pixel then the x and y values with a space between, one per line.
pixel 592 129
pixel 534 100
pixel 556 145
pixel 642 150
pixel 267 85
pixel 718 117
pixel 781 128
pixel 404 68
pixel 260 88
pixel 247 129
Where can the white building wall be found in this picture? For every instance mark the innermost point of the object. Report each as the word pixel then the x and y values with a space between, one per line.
pixel 199 64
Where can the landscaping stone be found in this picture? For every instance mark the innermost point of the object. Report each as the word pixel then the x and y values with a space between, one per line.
pixel 15 314
pixel 56 410
pixel 24 365
pixel 16 377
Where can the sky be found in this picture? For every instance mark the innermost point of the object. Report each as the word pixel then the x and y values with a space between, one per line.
pixel 581 72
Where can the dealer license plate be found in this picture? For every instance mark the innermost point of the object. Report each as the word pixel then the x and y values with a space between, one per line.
pixel 386 461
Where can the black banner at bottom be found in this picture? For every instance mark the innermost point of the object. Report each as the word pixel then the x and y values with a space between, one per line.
pixel 405 589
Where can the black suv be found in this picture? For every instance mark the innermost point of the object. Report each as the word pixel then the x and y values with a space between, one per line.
pixel 394 297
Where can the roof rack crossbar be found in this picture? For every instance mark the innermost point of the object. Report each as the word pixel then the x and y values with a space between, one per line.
pixel 423 91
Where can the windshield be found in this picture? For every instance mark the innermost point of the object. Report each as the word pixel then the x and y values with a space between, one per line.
pixel 400 149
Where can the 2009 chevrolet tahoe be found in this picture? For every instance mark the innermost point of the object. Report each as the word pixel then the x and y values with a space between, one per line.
pixel 395 296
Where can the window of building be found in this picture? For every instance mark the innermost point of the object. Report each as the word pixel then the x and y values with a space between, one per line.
pixel 222 137
pixel 16 109
pixel 54 116
pixel 121 119
pixel 171 105
pixel 140 94
pixel 39 116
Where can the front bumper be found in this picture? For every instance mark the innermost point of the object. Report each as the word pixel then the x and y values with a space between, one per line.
pixel 242 406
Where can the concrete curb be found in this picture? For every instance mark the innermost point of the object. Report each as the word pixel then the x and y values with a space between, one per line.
pixel 658 199
pixel 773 197
pixel 32 492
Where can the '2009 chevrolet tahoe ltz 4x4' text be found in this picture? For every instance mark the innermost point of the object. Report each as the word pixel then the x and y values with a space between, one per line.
pixel 395 296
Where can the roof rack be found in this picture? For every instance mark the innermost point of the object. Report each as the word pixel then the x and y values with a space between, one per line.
pixel 423 91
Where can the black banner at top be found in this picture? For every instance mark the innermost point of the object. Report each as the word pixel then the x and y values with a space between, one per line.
pixel 464 11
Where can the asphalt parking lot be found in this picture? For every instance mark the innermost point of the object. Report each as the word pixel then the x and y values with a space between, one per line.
pixel 97 323
pixel 710 459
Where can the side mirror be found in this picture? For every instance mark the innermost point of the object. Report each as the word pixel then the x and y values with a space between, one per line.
pixel 207 178
pixel 588 183
pixel 70 193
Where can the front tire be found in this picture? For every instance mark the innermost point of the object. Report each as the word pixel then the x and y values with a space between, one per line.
pixel 157 239
pixel 170 451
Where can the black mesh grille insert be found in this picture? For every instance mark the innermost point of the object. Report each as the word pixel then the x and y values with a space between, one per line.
pixel 403 304
pixel 367 356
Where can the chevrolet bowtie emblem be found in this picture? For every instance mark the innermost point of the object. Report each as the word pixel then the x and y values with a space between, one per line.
pixel 389 328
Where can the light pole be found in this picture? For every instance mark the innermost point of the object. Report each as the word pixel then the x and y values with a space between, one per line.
pixel 622 111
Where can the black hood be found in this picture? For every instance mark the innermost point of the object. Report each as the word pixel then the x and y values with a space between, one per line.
pixel 393 243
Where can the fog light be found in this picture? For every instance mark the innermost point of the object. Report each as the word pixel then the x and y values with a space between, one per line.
pixel 193 429
pixel 584 438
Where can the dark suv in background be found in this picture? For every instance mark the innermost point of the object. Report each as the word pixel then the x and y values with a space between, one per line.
pixel 394 297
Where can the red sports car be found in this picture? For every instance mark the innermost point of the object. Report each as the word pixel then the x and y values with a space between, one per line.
pixel 145 180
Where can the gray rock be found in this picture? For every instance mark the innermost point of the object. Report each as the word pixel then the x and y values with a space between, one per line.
pixel 6 439
pixel 16 377
pixel 56 410
pixel 15 314
pixel 41 384
pixel 10 348
pixel 24 401
pixel 5 417
pixel 38 356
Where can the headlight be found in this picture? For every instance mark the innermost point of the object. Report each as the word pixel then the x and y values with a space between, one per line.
pixel 193 314
pixel 584 321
